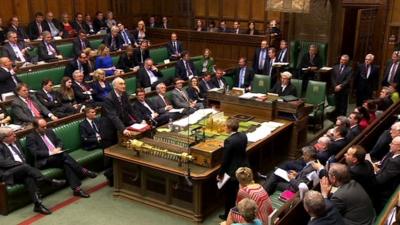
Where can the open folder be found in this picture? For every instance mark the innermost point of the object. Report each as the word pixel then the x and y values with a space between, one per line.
pixel 222 182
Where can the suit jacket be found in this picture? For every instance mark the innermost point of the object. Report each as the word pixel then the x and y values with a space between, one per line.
pixel 144 112
pixel 20 32
pixel 77 46
pixel 7 83
pixel 331 216
pixel 159 104
pixel 137 56
pixel 256 60
pixel 143 78
pixel 136 38
pixel 125 63
pixel 45 100
pixel 203 86
pixel 381 147
pixel 342 78
pixel 178 100
pixel 181 70
pixel 88 134
pixel 285 58
pixel 44 54
pixel 194 95
pixel 33 30
pixel 337 145
pixel 171 50
pixel 73 65
pixel 215 82
pixel 388 177
pixel 7 162
pixel 99 25
pixel 353 132
pixel 107 40
pixel 363 84
pixel 37 147
pixel 56 23
pixel 234 154
pixel 301 177
pixel 248 77
pixel 353 204
pixel 8 51
pixel 396 78
pixel 289 90
pixel 364 174
pixel 307 62
pixel 22 114
pixel 80 96
pixel 82 26
pixel 131 37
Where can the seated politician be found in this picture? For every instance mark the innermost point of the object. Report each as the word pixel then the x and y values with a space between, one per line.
pixel 126 61
pixel 149 75
pixel 194 91
pixel 284 87
pixel 80 43
pixel 180 99
pixel 16 50
pixel 147 110
pixel 104 60
pixel 47 49
pixel 162 104
pixel 101 87
pixel 84 94
pixel 185 68
pixel 26 108
pixel 141 53
pixel 90 130
pixel 8 78
pixel 81 64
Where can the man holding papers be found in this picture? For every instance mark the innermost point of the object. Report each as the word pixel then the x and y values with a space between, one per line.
pixel 234 156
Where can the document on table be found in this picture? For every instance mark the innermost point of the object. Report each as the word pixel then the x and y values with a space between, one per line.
pixel 282 174
pixel 176 110
pixel 138 126
pixel 222 182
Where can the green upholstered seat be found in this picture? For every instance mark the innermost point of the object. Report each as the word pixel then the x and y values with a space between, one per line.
pixel 34 78
pixel 95 43
pixel 33 52
pixel 298 84
pixel 315 95
pixel 159 54
pixel 115 59
pixel 229 81
pixel 168 74
pixel 299 47
pixel 69 135
pixel 130 85
pixel 261 83
pixel 198 65
pixel 66 50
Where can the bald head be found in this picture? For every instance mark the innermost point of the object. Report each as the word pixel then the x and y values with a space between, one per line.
pixel 5 62
pixel 119 85
pixel 4 132
pixel 314 203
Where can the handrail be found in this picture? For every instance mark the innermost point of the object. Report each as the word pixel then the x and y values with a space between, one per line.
pixel 393 202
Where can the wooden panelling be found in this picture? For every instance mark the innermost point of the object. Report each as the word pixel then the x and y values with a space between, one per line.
pixel 213 8
pixel 243 9
pixel 229 8
pixel 258 10
pixel 199 7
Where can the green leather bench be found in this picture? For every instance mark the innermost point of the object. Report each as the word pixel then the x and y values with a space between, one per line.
pixel 34 78
pixel 16 196
pixel 95 43
pixel 66 50
pixel 158 54
pixel 261 83
pixel 168 74
pixel 299 47
pixel 130 85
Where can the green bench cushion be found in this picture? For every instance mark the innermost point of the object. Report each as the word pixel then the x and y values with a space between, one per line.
pixel 158 54
pixel 130 85
pixel 69 135
pixel 34 79
pixel 168 74
pixel 66 50
pixel 95 43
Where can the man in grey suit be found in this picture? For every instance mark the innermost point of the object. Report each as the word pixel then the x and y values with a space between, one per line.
pixel 25 108
pixel 162 104
pixel 180 99
pixel 350 198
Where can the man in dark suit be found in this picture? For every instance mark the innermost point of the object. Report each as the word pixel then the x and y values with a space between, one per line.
pixel 236 28
pixel 162 105
pixel 164 23
pixel 52 25
pixel 14 26
pixel 79 24
pixel 14 50
pixel 381 147
pixel 384 100
pixel 47 50
pixel 81 64
pixel 322 147
pixel 113 40
pixel 309 63
pixel 222 27
pixel 14 169
pixel 141 54
pixel 8 78
pixel 274 182
pixel 340 80
pixel 283 55
pixel 147 110
pixel 52 100
pixel 354 130
pixel 270 69
pixel 206 84
pixel 260 58
pixel 91 130
pixel 233 156
pixel 366 79
pixel 82 91
pixel 392 72
pixel 48 152
pixel 184 68
pixel 350 198
pixel 284 87
pixel 126 36
pixel 148 76
pixel 80 43
pixel 243 75
pixel 339 140
pixel 36 27
pixel 321 211
pixel 174 48
pixel 218 80
pixel 388 174
pixel 26 107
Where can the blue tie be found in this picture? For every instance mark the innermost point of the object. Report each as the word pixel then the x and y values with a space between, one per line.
pixel 241 77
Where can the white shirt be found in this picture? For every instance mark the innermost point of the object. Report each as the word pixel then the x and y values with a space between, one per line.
pixel 147 106
pixel 93 124
pixel 14 154
pixel 153 78
pixel 18 52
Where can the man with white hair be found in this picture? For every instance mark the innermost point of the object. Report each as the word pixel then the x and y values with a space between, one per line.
pixel 162 104
pixel 113 40
pixel 14 169
pixel 340 80
pixel 321 210
pixel 366 79
pixel 284 87
pixel 381 146
pixel 47 49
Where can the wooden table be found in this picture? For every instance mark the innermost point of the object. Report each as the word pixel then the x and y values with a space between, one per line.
pixel 161 183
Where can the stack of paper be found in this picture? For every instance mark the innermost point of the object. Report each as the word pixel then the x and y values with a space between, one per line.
pixel 250 95
pixel 263 131
pixel 194 117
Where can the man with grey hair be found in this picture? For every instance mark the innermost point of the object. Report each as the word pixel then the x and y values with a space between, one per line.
pixel 381 146
pixel 148 75
pixel 16 51
pixel 14 169
pixel 321 210
pixel 309 63
pixel 47 49
pixel 113 40
pixel 162 104
pixel 340 79
pixel 274 181
pixel 350 198
pixel 366 79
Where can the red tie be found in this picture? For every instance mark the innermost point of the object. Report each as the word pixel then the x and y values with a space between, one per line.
pixel 33 108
